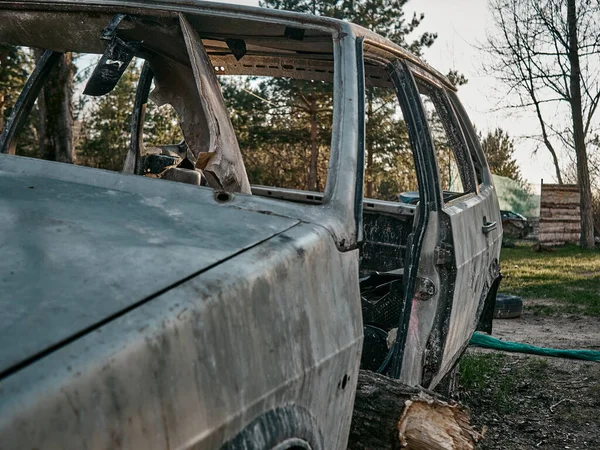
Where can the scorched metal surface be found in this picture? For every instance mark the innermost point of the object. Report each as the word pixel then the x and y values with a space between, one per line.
pixel 74 254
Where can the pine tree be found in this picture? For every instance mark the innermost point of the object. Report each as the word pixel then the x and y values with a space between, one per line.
pixel 499 149
pixel 387 18
pixel 309 104
pixel 16 63
pixel 55 111
pixel 272 119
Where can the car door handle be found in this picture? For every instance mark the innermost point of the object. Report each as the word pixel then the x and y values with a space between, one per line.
pixel 488 226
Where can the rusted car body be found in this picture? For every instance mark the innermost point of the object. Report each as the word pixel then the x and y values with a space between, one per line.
pixel 144 313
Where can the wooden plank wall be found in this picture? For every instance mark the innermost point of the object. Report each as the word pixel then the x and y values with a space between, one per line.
pixel 560 221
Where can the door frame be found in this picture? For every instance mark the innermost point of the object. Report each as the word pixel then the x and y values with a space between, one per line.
pixel 431 198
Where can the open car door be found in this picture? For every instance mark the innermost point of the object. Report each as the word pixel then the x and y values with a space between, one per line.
pixel 455 238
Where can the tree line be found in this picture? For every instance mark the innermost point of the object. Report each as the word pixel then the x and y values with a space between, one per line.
pixel 285 137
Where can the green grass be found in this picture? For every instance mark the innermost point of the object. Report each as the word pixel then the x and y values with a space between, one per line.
pixel 495 378
pixel 476 372
pixel 568 278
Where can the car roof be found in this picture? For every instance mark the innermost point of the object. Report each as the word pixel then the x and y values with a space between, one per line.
pixel 256 15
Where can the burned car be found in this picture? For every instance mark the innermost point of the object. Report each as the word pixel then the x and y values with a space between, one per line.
pixel 195 309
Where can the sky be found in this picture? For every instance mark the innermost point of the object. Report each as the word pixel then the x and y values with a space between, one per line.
pixel 461 26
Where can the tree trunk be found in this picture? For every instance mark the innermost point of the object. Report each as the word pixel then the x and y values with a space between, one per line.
pixel 42 121
pixel 583 174
pixel 390 415
pixel 555 162
pixel 547 142
pixel 550 148
pixel 314 147
pixel 55 128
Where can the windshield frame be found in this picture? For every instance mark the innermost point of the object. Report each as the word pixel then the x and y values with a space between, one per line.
pixel 337 211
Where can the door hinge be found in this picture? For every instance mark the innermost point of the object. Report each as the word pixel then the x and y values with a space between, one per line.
pixel 425 289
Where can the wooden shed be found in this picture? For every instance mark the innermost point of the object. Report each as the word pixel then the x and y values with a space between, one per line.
pixel 560 218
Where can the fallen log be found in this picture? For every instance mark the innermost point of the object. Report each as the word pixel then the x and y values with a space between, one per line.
pixel 390 415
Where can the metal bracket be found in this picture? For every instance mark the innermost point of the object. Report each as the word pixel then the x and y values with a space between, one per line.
pixel 443 254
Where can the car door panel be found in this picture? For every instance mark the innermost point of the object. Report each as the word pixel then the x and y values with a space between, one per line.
pixel 475 255
pixel 456 253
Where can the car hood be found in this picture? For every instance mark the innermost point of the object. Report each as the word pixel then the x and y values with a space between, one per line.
pixel 76 255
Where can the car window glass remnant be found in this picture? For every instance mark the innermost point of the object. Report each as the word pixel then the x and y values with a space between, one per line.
pixel 453 159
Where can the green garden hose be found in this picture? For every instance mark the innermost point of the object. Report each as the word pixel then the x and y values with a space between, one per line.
pixel 485 341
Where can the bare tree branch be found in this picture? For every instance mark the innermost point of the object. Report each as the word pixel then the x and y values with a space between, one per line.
pixel 533 50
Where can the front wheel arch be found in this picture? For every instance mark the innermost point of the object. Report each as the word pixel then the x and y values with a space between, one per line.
pixel 289 427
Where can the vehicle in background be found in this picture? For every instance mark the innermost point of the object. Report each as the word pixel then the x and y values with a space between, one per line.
pixel 177 304
pixel 515 225
pixel 410 198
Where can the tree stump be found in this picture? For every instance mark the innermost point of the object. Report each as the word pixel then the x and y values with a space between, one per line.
pixel 390 415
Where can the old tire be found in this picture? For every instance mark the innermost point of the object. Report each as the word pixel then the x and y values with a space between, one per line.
pixel 508 306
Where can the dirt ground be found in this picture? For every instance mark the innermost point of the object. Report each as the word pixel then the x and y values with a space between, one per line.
pixel 565 331
pixel 526 401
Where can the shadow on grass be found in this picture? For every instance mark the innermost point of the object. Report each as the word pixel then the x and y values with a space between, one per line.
pixel 494 379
